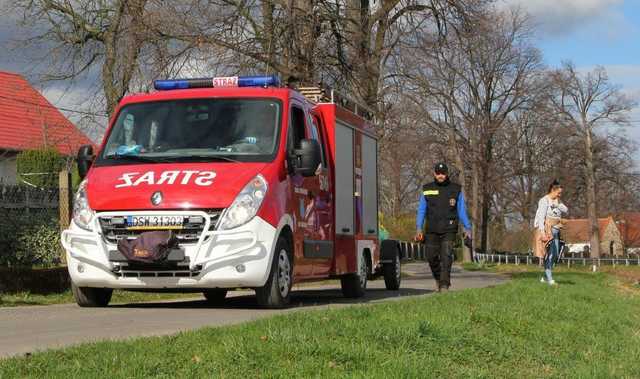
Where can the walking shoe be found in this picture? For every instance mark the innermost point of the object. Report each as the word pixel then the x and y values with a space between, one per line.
pixel 542 280
pixel 553 283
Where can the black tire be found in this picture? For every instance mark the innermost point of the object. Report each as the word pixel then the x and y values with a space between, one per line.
pixel 355 285
pixel 276 292
pixel 215 296
pixel 392 274
pixel 91 297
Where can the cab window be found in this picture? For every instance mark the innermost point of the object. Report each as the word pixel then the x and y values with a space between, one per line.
pixel 296 128
pixel 316 135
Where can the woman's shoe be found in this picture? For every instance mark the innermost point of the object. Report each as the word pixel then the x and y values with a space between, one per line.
pixel 553 283
pixel 542 280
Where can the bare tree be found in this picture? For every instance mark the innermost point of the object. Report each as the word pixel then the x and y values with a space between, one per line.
pixel 405 166
pixel 523 149
pixel 586 102
pixel 475 79
pixel 115 36
pixel 342 43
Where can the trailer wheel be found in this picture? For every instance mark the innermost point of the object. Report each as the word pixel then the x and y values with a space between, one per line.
pixel 91 297
pixel 392 273
pixel 215 296
pixel 276 292
pixel 355 285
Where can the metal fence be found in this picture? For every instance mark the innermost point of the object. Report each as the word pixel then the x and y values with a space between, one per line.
pixel 416 251
pixel 412 250
pixel 28 198
pixel 569 261
pixel 27 215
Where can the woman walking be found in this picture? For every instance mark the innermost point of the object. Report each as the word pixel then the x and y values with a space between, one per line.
pixel 547 224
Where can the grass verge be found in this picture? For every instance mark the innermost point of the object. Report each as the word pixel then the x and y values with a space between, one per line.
pixel 26 298
pixel 584 327
pixel 628 275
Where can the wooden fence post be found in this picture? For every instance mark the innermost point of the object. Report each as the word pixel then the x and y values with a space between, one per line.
pixel 65 203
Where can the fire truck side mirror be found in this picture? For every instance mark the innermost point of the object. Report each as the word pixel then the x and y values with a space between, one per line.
pixel 307 157
pixel 84 159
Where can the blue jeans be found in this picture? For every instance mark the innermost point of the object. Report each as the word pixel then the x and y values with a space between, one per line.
pixel 553 251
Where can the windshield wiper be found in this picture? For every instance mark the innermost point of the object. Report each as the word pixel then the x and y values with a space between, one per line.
pixel 211 157
pixel 137 158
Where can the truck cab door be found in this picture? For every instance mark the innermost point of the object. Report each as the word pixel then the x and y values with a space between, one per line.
pixel 302 194
pixel 320 213
pixel 311 200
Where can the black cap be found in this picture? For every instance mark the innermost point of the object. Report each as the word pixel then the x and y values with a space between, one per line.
pixel 441 168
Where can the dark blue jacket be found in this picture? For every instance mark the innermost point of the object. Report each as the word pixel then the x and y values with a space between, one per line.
pixel 442 205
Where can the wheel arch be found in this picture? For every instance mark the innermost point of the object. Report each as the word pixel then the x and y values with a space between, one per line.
pixel 284 229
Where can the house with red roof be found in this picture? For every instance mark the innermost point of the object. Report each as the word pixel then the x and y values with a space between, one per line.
pixel 629 225
pixel 618 236
pixel 29 121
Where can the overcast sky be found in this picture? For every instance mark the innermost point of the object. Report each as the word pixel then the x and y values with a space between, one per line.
pixel 587 32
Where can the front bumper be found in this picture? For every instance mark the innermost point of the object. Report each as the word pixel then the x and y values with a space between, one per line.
pixel 240 257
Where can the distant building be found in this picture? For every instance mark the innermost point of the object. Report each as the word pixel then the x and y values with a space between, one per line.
pixel 618 236
pixel 27 122
pixel 629 225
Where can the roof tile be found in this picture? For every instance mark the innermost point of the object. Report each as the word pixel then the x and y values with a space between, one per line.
pixel 29 121
pixel 577 230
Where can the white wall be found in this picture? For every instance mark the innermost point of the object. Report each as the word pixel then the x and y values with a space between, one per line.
pixel 8 170
pixel 577 247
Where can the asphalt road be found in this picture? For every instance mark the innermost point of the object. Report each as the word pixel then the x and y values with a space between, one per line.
pixel 25 330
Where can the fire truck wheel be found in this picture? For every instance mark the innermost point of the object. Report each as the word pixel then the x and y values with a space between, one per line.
pixel 276 292
pixel 355 285
pixel 392 274
pixel 215 296
pixel 91 297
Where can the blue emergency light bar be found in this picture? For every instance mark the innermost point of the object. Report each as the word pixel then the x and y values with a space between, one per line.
pixel 229 81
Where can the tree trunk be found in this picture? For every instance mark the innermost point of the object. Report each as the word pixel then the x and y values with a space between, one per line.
pixel 304 24
pixel 475 202
pixel 590 177
pixel 486 201
pixel 466 252
pixel 396 186
pixel 268 37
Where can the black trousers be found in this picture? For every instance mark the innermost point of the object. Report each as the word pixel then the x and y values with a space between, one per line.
pixel 439 251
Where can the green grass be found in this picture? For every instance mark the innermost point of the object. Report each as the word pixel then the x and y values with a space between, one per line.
pixel 586 327
pixel 26 298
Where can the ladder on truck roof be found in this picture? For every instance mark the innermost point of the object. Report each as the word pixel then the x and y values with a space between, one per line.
pixel 328 95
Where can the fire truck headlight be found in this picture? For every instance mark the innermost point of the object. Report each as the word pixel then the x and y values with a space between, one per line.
pixel 246 205
pixel 82 213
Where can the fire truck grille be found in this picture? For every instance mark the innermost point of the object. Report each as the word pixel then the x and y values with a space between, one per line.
pixel 148 270
pixel 115 229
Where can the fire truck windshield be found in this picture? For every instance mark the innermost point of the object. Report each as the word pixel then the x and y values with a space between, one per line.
pixel 237 129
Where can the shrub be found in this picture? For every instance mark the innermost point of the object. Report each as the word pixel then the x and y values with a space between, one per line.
pixel 39 245
pixel 29 238
pixel 47 161
pixel 402 227
pixel 515 240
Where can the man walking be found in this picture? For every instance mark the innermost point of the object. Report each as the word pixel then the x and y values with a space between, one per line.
pixel 441 206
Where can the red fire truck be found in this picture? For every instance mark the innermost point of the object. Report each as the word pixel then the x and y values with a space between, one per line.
pixel 262 187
